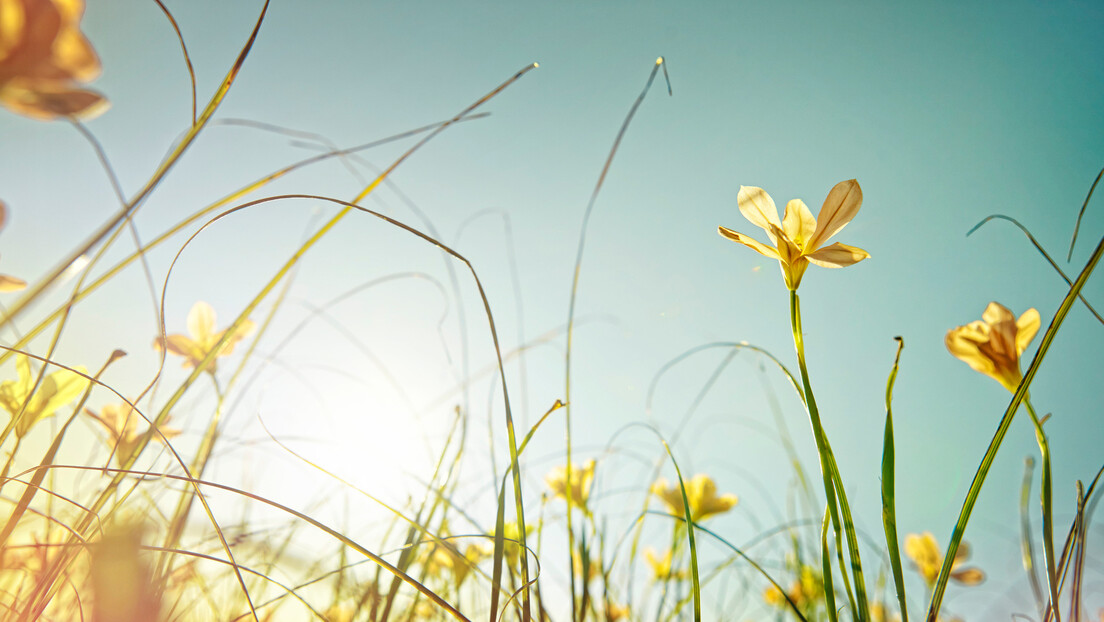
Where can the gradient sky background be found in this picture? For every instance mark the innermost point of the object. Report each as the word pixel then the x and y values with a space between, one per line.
pixel 945 113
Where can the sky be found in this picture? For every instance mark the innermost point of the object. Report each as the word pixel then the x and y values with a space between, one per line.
pixel 945 112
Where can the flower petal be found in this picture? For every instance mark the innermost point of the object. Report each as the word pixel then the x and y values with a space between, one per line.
pixel 749 242
pixel 757 206
pixel 201 321
pixel 48 101
pixel 1026 328
pixel 839 208
pixel 968 576
pixel 964 343
pixel 11 284
pixel 799 223
pixel 996 313
pixel 837 256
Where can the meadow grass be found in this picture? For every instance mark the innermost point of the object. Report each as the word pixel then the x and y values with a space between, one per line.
pixel 139 530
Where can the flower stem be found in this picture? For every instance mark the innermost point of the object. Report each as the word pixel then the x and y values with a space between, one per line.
pixel 833 483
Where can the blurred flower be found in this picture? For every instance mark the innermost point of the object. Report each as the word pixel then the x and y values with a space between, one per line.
pixel 201 325
pixel 615 612
pixel 581 481
pixel 43 55
pixel 8 283
pixel 701 492
pixel 594 569
pixel 799 238
pixel 993 345
pixel 121 422
pixel 458 564
pixel 661 566
pixel 338 613
pixel 512 546
pixel 55 391
pixel 928 558
pixel 806 590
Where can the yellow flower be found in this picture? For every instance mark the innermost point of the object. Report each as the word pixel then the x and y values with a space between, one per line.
pixel 201 325
pixel 121 422
pixel 55 391
pixel 701 492
pixel 581 481
pixel 661 566
pixel 926 555
pixel 8 283
pixel 799 238
pixel 615 612
pixel 804 591
pixel 993 345
pixel 43 55
pixel 459 565
pixel 512 547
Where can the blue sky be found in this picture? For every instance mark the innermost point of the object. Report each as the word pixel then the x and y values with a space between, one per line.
pixel 944 112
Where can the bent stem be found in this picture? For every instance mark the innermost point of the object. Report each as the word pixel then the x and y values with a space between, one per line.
pixel 833 483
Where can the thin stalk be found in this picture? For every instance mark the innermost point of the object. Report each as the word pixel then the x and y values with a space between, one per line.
pixel 889 507
pixel 1026 549
pixel 833 483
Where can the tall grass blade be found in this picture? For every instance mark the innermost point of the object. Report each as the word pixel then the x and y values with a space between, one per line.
pixel 889 506
pixel 571 305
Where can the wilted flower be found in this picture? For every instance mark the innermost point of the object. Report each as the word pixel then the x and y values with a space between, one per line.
pixel 926 555
pixel 43 56
pixel 799 238
pixel 994 344
pixel 201 325
pixel 581 481
pixel 55 391
pixel 121 422
pixel 701 492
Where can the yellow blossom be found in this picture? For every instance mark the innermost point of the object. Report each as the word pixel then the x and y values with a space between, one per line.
pixel 615 612
pixel 55 390
pixel 512 546
pixel 928 558
pixel 799 238
pixel 804 591
pixel 201 326
pixel 661 566
pixel 8 283
pixel 121 422
pixel 994 344
pixel 43 56
pixel 701 492
pixel 460 565
pixel 581 481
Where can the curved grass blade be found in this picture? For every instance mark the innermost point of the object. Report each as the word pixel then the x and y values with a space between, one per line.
pixel 1081 213
pixel 889 508
pixel 1039 247
pixel 574 295
pixel 184 49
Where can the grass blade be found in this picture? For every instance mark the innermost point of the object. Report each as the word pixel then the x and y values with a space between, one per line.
pixel 889 509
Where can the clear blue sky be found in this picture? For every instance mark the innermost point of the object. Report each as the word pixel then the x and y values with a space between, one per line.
pixel 945 112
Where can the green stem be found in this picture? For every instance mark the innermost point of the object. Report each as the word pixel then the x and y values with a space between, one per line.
pixel 833 483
